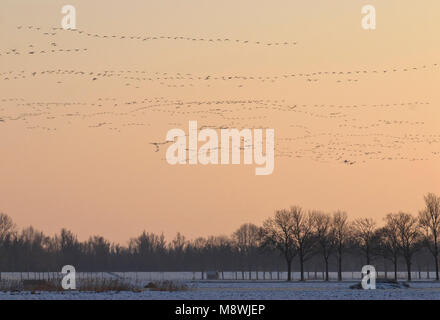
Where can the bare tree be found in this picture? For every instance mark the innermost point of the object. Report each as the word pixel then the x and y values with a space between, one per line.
pixel 246 239
pixel 324 237
pixel 292 232
pixel 429 219
pixel 341 232
pixel 389 244
pixel 408 235
pixel 364 234
pixel 7 226
pixel 277 233
pixel 178 244
pixel 303 235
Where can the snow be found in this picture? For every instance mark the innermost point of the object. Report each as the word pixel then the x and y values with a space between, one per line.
pixel 218 290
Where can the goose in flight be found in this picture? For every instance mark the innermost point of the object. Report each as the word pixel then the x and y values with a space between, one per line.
pixel 158 144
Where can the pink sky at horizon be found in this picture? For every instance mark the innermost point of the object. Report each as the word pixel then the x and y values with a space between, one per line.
pixel 97 173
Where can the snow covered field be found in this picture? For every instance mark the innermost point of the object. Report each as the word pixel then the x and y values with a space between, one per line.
pixel 252 290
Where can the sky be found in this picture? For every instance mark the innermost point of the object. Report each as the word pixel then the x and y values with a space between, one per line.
pixel 355 112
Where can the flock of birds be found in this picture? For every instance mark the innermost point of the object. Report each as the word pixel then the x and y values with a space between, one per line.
pixel 54 31
pixel 359 132
pixel 187 79
pixel 359 142
pixel 31 50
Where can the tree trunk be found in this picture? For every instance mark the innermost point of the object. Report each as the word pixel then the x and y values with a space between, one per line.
pixel 436 264
pixel 289 268
pixel 435 256
pixel 340 265
pixel 326 269
pixel 301 262
pixel 436 268
pixel 395 269
pixel 408 267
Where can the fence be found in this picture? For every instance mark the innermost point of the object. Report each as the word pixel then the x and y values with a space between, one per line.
pixel 222 275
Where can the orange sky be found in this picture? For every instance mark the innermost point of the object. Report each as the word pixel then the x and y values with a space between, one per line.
pixel 76 152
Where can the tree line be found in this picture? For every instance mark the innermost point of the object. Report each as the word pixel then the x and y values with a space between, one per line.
pixel 293 239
